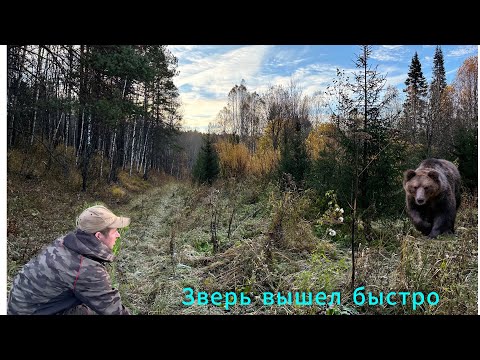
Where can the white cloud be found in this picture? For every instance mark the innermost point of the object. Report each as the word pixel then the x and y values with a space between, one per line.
pixel 387 69
pixel 288 57
pixel 199 112
pixel 388 53
pixel 317 76
pixel 191 53
pixel 210 72
pixel 184 52
pixel 392 46
pixel 311 79
pixel 451 71
pixel 396 79
pixel 463 50
pixel 180 49
pixel 218 73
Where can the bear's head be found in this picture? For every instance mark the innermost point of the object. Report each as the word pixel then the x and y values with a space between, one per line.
pixel 422 185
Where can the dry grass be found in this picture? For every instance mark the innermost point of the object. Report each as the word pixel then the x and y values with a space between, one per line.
pixel 447 265
pixel 271 247
pixel 168 249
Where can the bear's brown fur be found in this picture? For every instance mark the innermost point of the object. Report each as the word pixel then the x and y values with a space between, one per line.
pixel 432 194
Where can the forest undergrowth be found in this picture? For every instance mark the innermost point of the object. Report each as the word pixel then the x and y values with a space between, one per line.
pixel 170 249
pixel 248 237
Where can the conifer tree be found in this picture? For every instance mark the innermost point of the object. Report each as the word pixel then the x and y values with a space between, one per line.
pixel 415 104
pixel 370 154
pixel 206 168
pixel 294 159
pixel 435 115
pixel 439 79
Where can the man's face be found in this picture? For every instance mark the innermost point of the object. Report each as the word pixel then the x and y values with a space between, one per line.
pixel 110 239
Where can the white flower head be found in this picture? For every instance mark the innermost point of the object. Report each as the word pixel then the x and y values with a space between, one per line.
pixel 332 232
pixel 341 211
pixel 337 209
pixel 340 219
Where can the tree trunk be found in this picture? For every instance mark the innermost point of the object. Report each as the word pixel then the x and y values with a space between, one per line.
pixel 79 149
pixel 113 176
pixel 133 146
pixel 144 149
pixel 37 91
pixel 103 155
pixel 86 153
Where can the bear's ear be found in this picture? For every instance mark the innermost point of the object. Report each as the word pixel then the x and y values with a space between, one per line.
pixel 407 175
pixel 435 175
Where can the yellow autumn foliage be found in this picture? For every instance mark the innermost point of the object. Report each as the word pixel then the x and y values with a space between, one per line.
pixel 265 143
pixel 263 161
pixel 318 138
pixel 236 161
pixel 233 158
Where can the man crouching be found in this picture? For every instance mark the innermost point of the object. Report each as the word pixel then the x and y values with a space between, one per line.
pixel 69 277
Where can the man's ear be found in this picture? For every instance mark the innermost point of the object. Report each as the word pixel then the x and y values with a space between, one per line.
pixel 97 235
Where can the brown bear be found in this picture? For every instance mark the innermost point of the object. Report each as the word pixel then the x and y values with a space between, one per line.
pixel 432 194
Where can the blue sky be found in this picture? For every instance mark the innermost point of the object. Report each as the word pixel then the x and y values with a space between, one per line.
pixel 208 73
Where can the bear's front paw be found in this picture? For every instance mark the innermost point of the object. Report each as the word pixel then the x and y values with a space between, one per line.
pixel 426 224
pixel 435 232
pixel 424 227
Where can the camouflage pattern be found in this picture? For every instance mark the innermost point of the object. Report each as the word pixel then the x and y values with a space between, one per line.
pixel 68 277
pixel 78 310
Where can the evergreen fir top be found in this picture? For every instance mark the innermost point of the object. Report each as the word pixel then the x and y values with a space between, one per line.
pixel 439 77
pixel 415 79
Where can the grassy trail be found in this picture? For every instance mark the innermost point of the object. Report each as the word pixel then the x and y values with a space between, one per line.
pixel 145 254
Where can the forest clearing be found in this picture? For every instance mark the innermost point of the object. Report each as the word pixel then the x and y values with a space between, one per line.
pixel 168 248
pixel 277 197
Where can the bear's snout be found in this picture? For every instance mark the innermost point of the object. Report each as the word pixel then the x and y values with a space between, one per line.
pixel 420 196
pixel 420 201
